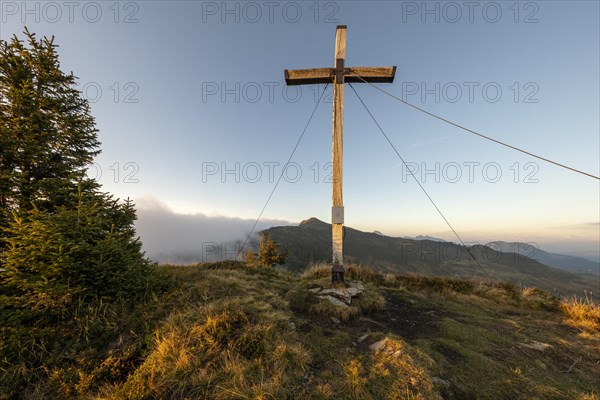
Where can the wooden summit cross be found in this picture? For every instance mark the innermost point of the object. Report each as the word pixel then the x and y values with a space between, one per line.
pixel 338 76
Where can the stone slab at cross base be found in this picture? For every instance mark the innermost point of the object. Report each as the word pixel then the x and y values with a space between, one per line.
pixel 340 296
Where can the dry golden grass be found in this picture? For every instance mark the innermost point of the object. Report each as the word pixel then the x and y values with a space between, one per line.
pixel 353 272
pixel 354 380
pixel 222 352
pixel 589 396
pixel 583 314
pixel 391 372
pixel 325 309
pixel 316 270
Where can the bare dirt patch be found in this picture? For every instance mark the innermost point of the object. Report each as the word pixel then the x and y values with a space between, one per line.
pixel 401 316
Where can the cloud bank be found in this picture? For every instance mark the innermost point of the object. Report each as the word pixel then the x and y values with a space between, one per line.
pixel 169 237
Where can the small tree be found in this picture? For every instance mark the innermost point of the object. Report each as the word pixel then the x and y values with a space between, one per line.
pixel 268 252
pixel 89 250
pixel 250 258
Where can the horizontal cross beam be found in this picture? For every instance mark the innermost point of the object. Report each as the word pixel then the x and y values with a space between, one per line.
pixel 327 75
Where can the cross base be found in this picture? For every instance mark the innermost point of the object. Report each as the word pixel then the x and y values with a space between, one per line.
pixel 337 273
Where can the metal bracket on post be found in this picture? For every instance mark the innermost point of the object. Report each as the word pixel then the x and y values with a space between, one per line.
pixel 339 70
pixel 337 215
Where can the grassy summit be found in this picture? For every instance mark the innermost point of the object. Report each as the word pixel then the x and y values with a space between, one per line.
pixel 226 331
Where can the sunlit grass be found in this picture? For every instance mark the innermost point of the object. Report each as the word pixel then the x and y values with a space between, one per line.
pixel 582 314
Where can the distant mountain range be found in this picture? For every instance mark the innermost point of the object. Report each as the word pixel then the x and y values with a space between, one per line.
pixel 310 241
pixel 568 263
pixel 425 237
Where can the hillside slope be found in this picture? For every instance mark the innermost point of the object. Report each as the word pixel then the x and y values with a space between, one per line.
pixel 311 242
pixel 226 331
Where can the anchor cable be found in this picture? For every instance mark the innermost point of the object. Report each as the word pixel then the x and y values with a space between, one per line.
pixel 417 181
pixel 282 171
pixel 476 133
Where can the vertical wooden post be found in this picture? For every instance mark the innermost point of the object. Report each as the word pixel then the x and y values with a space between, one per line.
pixel 337 214
pixel 338 75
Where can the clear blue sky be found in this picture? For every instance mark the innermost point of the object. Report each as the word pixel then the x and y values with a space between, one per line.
pixel 162 66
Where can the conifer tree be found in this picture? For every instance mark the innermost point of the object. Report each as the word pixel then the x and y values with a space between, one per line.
pixel 250 258
pixel 60 236
pixel 47 133
pixel 268 252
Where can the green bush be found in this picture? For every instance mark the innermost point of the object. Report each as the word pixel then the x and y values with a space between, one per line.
pixel 89 250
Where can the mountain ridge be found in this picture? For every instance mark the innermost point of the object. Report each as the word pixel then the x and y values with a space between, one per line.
pixel 310 242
